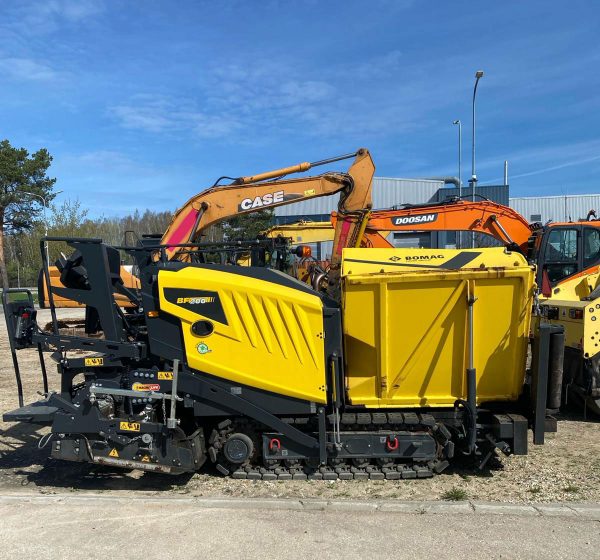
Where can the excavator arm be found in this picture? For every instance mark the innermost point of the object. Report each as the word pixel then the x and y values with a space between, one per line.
pixel 269 190
pixel 483 216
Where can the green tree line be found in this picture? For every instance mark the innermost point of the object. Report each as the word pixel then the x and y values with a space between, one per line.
pixel 26 215
pixel 70 219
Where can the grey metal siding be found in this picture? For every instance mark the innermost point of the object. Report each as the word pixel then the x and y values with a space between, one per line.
pixel 497 193
pixel 556 208
pixel 293 218
pixel 387 192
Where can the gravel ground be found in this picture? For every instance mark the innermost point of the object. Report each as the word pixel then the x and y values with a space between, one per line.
pixel 566 468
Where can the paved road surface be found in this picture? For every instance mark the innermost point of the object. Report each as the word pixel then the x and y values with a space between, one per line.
pixel 85 527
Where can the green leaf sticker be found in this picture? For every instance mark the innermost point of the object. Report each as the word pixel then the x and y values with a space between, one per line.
pixel 203 348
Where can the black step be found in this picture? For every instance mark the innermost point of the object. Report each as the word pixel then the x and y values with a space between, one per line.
pixel 35 413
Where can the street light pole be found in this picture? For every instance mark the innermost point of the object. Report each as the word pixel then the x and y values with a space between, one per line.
pixel 459 123
pixel 473 180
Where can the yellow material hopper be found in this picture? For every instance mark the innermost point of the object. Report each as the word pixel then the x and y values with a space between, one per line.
pixel 406 325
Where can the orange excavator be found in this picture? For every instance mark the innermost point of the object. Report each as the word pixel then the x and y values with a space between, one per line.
pixel 482 216
pixel 561 250
pixel 250 194
pixel 267 190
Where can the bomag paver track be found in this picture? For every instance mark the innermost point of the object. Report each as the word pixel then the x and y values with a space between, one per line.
pixel 422 360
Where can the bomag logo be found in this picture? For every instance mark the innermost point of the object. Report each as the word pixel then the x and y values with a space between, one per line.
pixel 196 300
pixel 260 201
pixel 423 257
pixel 418 219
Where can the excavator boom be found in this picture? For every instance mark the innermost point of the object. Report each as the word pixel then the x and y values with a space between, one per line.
pixel 483 216
pixel 266 190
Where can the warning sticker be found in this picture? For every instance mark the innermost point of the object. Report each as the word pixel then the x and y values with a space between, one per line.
pixel 146 387
pixel 113 453
pixel 129 426
pixel 165 375
pixel 94 362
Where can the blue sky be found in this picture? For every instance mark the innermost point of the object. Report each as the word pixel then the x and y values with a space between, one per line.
pixel 144 103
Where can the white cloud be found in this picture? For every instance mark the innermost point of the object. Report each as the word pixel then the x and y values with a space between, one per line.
pixel 260 99
pixel 28 69
pixel 148 117
pixel 104 159
pixel 71 10
pixel 378 67
pixel 162 114
pixel 28 19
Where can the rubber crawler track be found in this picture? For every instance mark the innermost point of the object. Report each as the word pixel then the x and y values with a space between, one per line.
pixel 345 471
pixel 371 472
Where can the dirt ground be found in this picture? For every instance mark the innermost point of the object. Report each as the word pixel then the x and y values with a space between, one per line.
pixel 566 468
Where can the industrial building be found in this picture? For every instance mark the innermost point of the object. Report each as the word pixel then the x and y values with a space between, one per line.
pixel 392 192
pixel 565 208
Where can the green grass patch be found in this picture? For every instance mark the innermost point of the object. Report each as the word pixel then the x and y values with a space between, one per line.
pixel 22 296
pixel 455 494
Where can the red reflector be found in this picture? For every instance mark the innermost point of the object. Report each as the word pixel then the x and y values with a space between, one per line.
pixel 576 313
pixel 25 315
pixel 546 286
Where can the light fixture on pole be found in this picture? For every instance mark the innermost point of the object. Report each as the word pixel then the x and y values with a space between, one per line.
pixel 473 180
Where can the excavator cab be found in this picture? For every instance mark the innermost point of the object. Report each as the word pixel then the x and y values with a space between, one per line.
pixel 567 249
